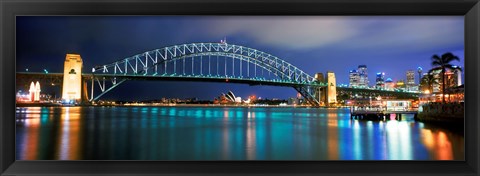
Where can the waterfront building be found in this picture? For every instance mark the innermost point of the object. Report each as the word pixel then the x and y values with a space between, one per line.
pixel 400 84
pixel 389 85
pixel 457 78
pixel 354 78
pixel 453 78
pixel 229 96
pixel 72 78
pixel 363 73
pixel 410 84
pixel 380 80
pixel 238 99
pixel 438 76
pixel 398 105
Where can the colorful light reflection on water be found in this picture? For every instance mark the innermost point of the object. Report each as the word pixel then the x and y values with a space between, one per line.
pixel 224 133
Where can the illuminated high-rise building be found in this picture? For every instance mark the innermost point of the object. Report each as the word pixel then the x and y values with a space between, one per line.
pixel 380 80
pixel 72 78
pixel 354 78
pixel 363 73
pixel 452 78
pixel 457 78
pixel 410 84
pixel 437 85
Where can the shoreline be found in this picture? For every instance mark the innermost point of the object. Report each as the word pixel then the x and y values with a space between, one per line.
pixel 172 105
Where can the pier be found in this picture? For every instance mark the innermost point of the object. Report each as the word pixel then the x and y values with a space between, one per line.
pixel 369 113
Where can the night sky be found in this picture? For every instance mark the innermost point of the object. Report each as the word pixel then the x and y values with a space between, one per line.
pixel 389 44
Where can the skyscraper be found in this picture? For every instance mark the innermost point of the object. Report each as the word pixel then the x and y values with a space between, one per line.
pixel 410 80
pixel 362 71
pixel 437 85
pixel 354 78
pixel 457 76
pixel 380 80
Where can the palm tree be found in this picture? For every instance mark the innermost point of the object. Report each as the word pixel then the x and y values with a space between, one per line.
pixel 428 81
pixel 443 63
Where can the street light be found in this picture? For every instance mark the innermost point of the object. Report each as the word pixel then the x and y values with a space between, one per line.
pixel 45 70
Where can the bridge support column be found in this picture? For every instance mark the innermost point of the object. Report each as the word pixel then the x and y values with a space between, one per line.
pixel 331 96
pixel 72 79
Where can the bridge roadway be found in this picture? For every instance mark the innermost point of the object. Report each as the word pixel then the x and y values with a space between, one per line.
pixel 58 78
pixel 197 78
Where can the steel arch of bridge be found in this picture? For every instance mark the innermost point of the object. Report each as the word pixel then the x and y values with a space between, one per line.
pixel 171 62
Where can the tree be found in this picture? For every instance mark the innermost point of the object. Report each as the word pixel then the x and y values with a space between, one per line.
pixel 443 63
pixel 428 81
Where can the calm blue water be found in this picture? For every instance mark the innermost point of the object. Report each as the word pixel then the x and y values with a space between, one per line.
pixel 224 133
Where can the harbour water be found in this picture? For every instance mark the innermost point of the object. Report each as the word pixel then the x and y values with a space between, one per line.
pixel 225 133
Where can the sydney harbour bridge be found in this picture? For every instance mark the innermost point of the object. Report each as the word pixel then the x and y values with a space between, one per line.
pixel 201 62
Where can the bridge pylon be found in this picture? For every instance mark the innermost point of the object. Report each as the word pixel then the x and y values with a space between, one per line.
pixel 72 79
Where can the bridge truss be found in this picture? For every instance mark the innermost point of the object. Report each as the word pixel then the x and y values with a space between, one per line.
pixel 206 62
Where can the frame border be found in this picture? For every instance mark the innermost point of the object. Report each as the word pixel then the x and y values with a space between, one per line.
pixel 470 9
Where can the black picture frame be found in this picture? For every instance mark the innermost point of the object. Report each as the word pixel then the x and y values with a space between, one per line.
pixel 470 9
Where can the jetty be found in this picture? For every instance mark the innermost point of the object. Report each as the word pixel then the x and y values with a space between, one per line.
pixel 376 113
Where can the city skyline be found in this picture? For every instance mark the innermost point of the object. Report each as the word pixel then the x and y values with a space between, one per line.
pixel 383 44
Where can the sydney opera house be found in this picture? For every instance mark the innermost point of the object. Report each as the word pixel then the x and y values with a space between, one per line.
pixel 228 98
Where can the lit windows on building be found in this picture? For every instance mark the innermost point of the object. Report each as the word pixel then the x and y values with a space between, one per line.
pixel 400 85
pixel 354 78
pixel 380 80
pixel 410 84
pixel 457 76
pixel 363 73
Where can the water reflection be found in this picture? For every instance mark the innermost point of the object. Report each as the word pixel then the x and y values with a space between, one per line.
pixel 70 136
pixel 224 133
